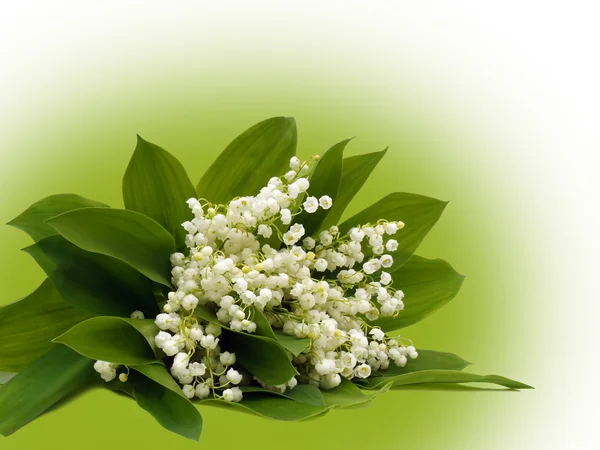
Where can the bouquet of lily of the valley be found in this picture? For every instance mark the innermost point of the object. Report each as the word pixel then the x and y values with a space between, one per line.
pixel 244 291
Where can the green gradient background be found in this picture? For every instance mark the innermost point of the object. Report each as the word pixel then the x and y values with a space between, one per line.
pixel 83 144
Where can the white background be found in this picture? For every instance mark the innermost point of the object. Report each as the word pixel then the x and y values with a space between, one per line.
pixel 525 74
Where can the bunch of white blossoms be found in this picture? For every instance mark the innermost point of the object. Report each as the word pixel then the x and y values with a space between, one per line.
pixel 107 370
pixel 322 288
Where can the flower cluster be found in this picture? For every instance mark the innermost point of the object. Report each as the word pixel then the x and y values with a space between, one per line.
pixel 107 370
pixel 327 288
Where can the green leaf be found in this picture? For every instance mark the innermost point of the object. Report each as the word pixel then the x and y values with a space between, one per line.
pixel 246 165
pixel 303 393
pixel 173 411
pixel 126 235
pixel 324 180
pixel 291 343
pixel 93 282
pixel 112 339
pixel 122 388
pixel 418 213
pixel 272 407
pixel 348 394
pixel 156 184
pixel 204 313
pixel 442 376
pixel 263 357
pixel 148 329
pixel 6 376
pixel 306 393
pixel 429 359
pixel 356 171
pixel 263 327
pixel 158 373
pixel 428 284
pixel 33 220
pixel 363 405
pixel 55 375
pixel 28 326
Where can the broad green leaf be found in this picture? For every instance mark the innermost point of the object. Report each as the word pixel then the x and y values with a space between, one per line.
pixel 442 376
pixel 159 374
pixel 173 411
pixel 148 329
pixel 303 393
pixel 348 394
pixel 356 170
pixel 156 184
pixel 246 165
pixel 418 213
pixel 55 375
pixel 6 376
pixel 363 405
pixel 428 284
pixel 126 235
pixel 262 357
pixel 306 393
pixel 93 282
pixel 122 388
pixel 324 180
pixel 33 220
pixel 204 313
pixel 272 407
pixel 429 359
pixel 28 326
pixel 293 344
pixel 263 327
pixel 112 339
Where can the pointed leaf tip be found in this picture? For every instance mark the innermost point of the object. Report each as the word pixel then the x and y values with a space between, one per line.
pixel 129 236
pixel 355 172
pixel 324 180
pixel 93 282
pixel 437 376
pixel 156 184
pixel 33 220
pixel 428 285
pixel 250 160
pixel 102 338
pixel 418 212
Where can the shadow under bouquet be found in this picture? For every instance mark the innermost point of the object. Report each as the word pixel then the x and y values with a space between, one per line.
pixel 245 291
